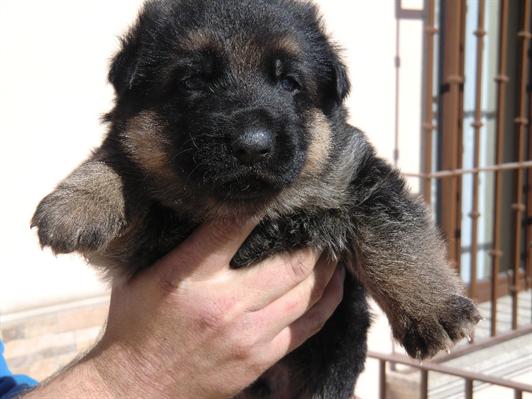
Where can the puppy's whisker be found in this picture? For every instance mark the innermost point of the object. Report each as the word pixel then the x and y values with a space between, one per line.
pixel 193 141
pixel 176 156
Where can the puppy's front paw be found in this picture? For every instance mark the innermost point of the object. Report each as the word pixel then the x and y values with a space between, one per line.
pixel 426 336
pixel 69 221
pixel 459 317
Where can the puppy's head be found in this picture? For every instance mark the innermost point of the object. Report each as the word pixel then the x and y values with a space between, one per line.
pixel 226 104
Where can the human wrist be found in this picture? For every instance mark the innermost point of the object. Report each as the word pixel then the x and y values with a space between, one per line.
pixel 124 372
pixel 79 379
pixel 106 372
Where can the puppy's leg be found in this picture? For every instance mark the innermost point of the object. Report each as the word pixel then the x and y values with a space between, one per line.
pixel 86 210
pixel 404 265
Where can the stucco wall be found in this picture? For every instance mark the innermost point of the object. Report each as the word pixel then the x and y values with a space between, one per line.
pixel 53 91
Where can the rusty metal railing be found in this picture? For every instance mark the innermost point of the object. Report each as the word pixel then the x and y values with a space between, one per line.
pixel 505 33
pixel 522 122
pixel 480 33
pixel 450 120
pixel 469 377
pixel 502 82
pixel 443 126
pixel 429 126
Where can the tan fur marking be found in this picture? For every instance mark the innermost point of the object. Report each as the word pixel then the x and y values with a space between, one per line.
pixel 246 51
pixel 287 44
pixel 320 143
pixel 198 40
pixel 147 145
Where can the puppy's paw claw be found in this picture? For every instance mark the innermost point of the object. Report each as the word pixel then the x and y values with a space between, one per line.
pixel 425 337
pixel 459 318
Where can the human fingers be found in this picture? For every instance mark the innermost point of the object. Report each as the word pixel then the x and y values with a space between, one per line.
pixel 294 304
pixel 207 251
pixel 273 278
pixel 293 336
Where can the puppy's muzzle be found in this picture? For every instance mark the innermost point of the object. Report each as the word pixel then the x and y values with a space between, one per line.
pixel 253 146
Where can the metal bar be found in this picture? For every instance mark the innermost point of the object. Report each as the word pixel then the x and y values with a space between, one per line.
pixel 450 95
pixel 397 87
pixel 522 122
pixel 424 387
pixel 528 273
pixel 468 388
pixel 428 125
pixel 477 125
pixel 494 168
pixel 502 81
pixel 460 141
pixel 407 13
pixel 444 369
pixel 382 379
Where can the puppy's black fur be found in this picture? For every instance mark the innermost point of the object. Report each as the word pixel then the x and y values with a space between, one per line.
pixel 234 109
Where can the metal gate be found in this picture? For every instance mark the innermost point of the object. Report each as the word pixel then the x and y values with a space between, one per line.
pixel 477 162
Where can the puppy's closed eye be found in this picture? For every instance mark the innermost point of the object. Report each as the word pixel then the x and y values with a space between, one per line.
pixel 194 83
pixel 285 77
pixel 290 84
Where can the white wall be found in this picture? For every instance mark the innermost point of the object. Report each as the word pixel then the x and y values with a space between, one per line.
pixel 367 30
pixel 54 56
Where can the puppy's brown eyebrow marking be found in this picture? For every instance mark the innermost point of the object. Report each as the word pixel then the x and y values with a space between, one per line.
pixel 198 40
pixel 286 44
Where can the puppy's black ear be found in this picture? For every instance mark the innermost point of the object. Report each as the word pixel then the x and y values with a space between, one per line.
pixel 343 85
pixel 336 85
pixel 333 79
pixel 124 67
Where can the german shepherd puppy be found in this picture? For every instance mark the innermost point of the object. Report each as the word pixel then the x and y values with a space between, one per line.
pixel 235 109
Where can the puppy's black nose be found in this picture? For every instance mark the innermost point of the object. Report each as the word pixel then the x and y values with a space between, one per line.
pixel 253 146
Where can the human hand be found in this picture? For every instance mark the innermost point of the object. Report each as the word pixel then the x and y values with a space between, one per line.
pixel 191 327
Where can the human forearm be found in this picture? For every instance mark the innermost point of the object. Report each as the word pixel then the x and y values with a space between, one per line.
pixel 104 373
pixel 80 379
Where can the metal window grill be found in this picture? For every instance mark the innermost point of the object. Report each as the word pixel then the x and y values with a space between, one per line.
pixel 445 179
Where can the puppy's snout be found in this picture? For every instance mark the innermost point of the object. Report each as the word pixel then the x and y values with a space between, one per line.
pixel 253 146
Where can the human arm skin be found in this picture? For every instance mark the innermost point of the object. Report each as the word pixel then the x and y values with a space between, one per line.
pixel 192 327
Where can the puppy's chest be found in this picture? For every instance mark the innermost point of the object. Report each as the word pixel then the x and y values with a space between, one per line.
pixel 161 231
pixel 328 230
